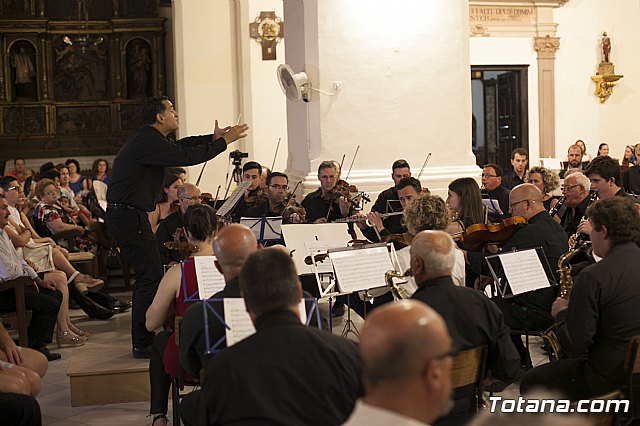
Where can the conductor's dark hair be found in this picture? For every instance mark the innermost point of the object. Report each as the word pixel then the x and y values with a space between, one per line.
pixel 151 107
pixel 276 174
pixel 619 216
pixel 410 181
pixel 269 282
pixel 496 168
pixel 605 167
pixel 200 220
pixel 249 165
pixel 400 164
pixel 166 183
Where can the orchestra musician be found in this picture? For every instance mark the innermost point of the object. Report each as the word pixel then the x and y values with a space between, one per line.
pixel 575 189
pixel 494 190
pixel 532 310
pixel 188 195
pixel 277 197
pixel 465 201
pixel 325 204
pixel 601 315
pixel 254 195
pixel 388 202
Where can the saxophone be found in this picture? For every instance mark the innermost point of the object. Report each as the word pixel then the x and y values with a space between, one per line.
pixel 566 282
pixel 398 292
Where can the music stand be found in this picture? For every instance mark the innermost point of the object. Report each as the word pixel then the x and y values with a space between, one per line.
pixel 520 271
pixel 266 229
pixel 233 199
pixel 203 270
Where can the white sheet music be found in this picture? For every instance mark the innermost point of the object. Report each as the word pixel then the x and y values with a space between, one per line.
pixel 315 246
pixel 361 269
pixel 210 280
pixel 233 198
pixel 492 205
pixel 524 271
pixel 239 321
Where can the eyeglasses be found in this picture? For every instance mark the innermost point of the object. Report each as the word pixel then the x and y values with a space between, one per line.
pixel 50 192
pixel 568 187
pixel 194 198
pixel 487 175
pixel 277 187
pixel 15 188
pixel 518 202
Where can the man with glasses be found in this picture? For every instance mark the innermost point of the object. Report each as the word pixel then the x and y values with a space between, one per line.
pixel 433 255
pixel 493 190
pixel 277 191
pixel 188 195
pixel 532 310
pixel 576 192
pixel 407 361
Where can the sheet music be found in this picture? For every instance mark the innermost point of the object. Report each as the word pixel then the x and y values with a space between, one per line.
pixel 239 321
pixel 493 206
pixel 524 271
pixel 233 198
pixel 315 246
pixel 210 280
pixel 361 269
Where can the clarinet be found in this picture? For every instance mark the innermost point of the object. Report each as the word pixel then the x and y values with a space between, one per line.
pixel 576 239
pixel 558 206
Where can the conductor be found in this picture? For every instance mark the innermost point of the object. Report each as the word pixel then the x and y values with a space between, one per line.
pixel 136 179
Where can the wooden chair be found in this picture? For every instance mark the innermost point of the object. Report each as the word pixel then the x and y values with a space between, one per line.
pixel 469 367
pixel 631 368
pixel 600 419
pixel 19 285
pixel 178 383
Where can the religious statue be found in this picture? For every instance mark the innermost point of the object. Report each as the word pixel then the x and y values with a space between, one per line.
pixel 23 65
pixel 606 47
pixel 139 65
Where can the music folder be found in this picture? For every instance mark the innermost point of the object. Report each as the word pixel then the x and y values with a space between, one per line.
pixel 520 271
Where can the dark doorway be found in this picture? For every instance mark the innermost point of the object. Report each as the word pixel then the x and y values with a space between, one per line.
pixel 500 112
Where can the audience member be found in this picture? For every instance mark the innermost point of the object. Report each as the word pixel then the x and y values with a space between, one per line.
pixel 100 171
pixel 519 162
pixel 167 201
pixel 20 171
pixel 603 149
pixel 406 357
pixel 628 159
pixel 574 160
pixel 586 157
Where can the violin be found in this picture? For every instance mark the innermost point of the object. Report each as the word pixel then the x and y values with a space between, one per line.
pixel 343 189
pixel 181 243
pixel 288 209
pixel 255 197
pixel 399 241
pixel 476 236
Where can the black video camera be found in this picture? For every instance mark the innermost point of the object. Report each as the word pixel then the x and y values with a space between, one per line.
pixel 238 155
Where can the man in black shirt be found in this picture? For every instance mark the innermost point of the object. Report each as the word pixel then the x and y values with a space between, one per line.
pixel 254 194
pixel 285 373
pixel 576 192
pixel 136 180
pixel 493 190
pixel 277 187
pixel 188 195
pixel 519 163
pixel 602 314
pixel 321 205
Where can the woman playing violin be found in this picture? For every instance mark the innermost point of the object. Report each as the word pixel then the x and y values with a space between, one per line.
pixel 325 204
pixel 465 201
pixel 277 201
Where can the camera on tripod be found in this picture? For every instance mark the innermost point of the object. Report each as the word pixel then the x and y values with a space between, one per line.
pixel 237 156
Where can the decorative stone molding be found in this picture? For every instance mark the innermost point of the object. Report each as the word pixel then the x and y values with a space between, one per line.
pixel 546 46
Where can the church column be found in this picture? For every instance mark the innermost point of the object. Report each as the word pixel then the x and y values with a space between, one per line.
pixel 546 48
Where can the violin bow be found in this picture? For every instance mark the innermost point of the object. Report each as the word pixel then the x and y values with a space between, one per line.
pixel 276 154
pixel 352 161
pixel 424 165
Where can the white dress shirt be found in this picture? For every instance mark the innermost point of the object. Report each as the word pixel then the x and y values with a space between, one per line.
pixel 11 265
pixel 369 415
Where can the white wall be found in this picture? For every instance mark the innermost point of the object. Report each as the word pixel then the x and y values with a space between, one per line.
pixel 579 113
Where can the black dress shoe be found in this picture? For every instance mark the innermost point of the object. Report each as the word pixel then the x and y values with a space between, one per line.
pixel 141 353
pixel 120 306
pixel 338 310
pixel 51 356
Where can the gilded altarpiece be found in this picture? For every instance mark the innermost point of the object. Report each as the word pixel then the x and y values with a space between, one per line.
pixel 74 72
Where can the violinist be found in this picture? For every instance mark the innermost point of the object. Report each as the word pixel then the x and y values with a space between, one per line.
pixel 531 310
pixel 254 195
pixel 326 204
pixel 277 199
pixel 465 201
pixel 188 195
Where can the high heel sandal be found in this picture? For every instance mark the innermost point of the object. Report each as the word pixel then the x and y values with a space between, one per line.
pixel 82 333
pixel 66 340
pixel 160 417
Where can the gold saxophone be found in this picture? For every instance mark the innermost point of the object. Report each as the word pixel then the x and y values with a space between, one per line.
pixel 566 282
pixel 398 292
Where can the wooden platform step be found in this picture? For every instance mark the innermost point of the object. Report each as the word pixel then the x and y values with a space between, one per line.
pixel 107 375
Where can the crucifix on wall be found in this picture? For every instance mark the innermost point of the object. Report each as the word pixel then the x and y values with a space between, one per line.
pixel 268 30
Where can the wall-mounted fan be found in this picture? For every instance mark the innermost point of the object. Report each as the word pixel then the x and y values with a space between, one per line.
pixel 294 85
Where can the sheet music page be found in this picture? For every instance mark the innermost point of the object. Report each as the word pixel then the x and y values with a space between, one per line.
pixel 524 271
pixel 314 246
pixel 233 198
pixel 492 205
pixel 361 269
pixel 210 280
pixel 238 319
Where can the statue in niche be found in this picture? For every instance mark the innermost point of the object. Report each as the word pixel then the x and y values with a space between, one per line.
pixel 81 70
pixel 606 48
pixel 138 72
pixel 25 72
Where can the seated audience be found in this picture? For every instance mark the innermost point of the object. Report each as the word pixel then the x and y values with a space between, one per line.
pixel 167 201
pixel 546 181
pixel 628 159
pixel 285 373
pixel 479 323
pixel 78 212
pixel 20 171
pixel 100 171
pixel 406 357
pixel 601 316
pixel 188 195
pixel 603 149
pixel 200 224
pixel 586 157
pixel 574 161
pixel 77 181
pixel 43 303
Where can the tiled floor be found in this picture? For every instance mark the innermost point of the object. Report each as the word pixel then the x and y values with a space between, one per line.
pixel 55 398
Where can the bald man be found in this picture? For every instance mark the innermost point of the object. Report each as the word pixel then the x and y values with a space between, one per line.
pixel 479 323
pixel 232 246
pixel 406 356
pixel 531 310
pixel 188 195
